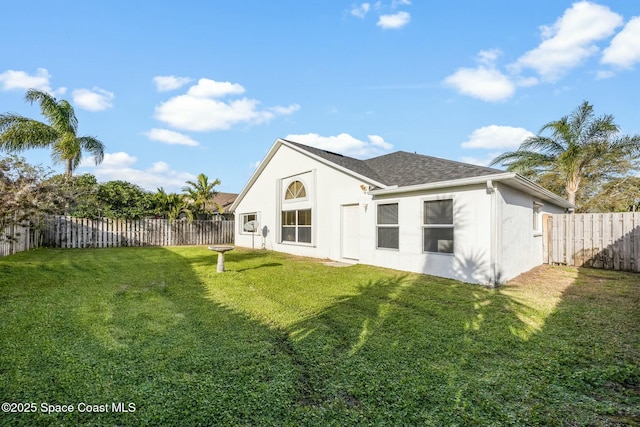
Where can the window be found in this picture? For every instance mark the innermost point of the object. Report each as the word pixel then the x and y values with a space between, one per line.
pixel 295 190
pixel 387 226
pixel 296 226
pixel 253 216
pixel 437 229
pixel 537 209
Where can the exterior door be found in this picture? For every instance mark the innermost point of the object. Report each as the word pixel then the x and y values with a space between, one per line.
pixel 350 232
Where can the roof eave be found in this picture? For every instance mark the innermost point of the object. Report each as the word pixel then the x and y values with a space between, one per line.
pixel 256 174
pixel 509 178
pixel 348 171
pixel 279 142
pixel 441 184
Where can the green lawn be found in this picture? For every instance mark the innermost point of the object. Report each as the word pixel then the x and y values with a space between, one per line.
pixel 280 340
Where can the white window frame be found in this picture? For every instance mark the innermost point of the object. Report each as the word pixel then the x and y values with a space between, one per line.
pixel 297 227
pixel 537 218
pixel 395 226
pixel 298 199
pixel 451 226
pixel 243 221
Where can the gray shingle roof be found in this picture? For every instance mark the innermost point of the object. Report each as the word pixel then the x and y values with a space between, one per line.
pixel 402 168
pixel 355 165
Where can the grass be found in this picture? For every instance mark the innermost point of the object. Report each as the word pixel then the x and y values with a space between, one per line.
pixel 281 340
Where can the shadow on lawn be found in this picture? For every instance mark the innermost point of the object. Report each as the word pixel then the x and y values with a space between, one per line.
pixel 441 352
pixel 268 264
pixel 250 259
pixel 558 346
pixel 132 325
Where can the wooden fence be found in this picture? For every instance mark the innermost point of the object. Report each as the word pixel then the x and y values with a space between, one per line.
pixel 600 240
pixel 70 232
pixel 17 238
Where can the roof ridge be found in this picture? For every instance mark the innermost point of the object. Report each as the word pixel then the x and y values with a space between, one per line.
pixel 402 168
pixel 436 158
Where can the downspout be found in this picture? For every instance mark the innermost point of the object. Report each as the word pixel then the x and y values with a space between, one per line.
pixel 493 244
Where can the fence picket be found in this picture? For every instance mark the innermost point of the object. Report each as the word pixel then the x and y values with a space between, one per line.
pixel 603 240
pixel 69 232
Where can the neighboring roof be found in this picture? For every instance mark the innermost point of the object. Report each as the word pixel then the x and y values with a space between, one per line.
pixel 224 200
pixel 401 171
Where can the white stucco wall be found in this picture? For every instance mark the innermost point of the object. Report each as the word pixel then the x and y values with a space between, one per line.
pixel 470 261
pixel 493 231
pixel 327 190
pixel 520 246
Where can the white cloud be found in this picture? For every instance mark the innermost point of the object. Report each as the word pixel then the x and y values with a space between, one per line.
pixel 485 82
pixel 624 50
pixel 95 99
pixel 207 88
pixel 284 111
pixel 117 159
pixel 159 167
pixel 569 41
pixel 497 137
pixel 12 79
pixel 480 161
pixel 165 83
pixel 489 57
pixel 396 3
pixel 395 21
pixel 198 111
pixel 482 82
pixel 170 137
pixel 344 144
pixel 118 165
pixel 604 74
pixel 360 11
pixel 378 141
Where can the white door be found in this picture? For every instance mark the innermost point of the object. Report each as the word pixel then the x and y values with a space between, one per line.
pixel 350 232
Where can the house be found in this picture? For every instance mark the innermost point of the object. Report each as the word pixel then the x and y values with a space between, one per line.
pixel 401 210
pixel 222 203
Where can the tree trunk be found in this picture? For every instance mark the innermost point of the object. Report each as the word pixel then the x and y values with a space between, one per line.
pixel 69 167
pixel 571 188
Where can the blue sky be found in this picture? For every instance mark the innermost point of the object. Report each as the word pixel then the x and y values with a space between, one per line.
pixel 174 89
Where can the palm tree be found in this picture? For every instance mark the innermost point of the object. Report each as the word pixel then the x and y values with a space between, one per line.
pixel 19 133
pixel 200 192
pixel 580 147
pixel 171 205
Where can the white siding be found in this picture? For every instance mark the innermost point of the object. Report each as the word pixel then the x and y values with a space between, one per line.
pixel 493 231
pixel 471 216
pixel 327 189
pixel 520 246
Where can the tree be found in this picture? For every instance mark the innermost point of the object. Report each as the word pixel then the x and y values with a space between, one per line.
pixel 122 199
pixel 617 195
pixel 579 148
pixel 23 193
pixel 199 193
pixel 18 133
pixel 79 195
pixel 171 205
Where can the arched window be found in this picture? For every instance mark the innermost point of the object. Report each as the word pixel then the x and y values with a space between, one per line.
pixel 295 190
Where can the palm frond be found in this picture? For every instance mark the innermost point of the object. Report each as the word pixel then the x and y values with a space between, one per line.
pixel 544 144
pixel 93 146
pixel 19 133
pixel 525 162
pixel 61 115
